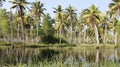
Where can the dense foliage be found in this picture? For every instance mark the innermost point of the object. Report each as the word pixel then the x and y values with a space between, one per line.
pixel 32 25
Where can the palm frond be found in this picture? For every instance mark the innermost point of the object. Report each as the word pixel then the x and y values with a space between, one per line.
pixel 14 6
pixel 116 1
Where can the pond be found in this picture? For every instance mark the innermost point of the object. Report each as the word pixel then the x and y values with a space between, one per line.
pixel 68 56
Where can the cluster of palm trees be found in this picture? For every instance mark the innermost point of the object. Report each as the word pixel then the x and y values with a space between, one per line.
pixel 65 20
pixel 24 20
pixel 36 12
pixel 89 25
pixel 91 19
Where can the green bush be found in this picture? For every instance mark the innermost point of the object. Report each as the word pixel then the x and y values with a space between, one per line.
pixel 51 39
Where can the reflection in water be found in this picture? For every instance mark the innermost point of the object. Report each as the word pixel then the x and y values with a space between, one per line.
pixel 117 58
pixel 28 55
pixel 97 56
pixel 83 61
pixel 111 57
pixel 114 57
pixel 115 54
pixel 66 56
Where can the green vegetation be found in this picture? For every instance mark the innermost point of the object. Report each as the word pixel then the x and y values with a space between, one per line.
pixel 32 25
pixel 29 27
pixel 59 64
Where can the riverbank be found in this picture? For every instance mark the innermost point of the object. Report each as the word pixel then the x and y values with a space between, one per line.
pixel 39 45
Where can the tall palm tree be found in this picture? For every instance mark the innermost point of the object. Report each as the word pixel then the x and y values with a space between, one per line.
pixel 105 25
pixel 28 22
pixel 17 21
pixel 59 18
pixel 37 11
pixel 20 7
pixel 92 18
pixel 115 9
pixel 71 17
pixel 63 25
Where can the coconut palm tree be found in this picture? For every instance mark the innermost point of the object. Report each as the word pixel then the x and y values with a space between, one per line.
pixel 92 18
pixel 59 19
pixel 28 23
pixel 20 7
pixel 105 25
pixel 115 9
pixel 71 18
pixel 37 11
pixel 17 21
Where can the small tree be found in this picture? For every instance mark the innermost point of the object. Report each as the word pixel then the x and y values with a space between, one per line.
pixel 47 27
pixel 4 25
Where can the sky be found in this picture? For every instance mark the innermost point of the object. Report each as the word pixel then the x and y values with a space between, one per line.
pixel 77 4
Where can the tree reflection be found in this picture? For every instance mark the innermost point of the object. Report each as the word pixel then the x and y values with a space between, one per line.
pixel 97 57
pixel 116 55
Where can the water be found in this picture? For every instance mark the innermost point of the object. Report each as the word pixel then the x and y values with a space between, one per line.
pixel 74 55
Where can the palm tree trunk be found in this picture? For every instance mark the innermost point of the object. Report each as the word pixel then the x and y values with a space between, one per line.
pixel 87 37
pixel 60 34
pixel 96 35
pixel 115 38
pixel 18 34
pixel 104 39
pixel 115 33
pixel 79 38
pixel 76 39
pixel 23 29
pixel 37 26
pixel 116 54
pixel 26 36
pixel 11 26
pixel 37 32
pixel 97 57
pixel 84 37
pixel 12 38
pixel 71 34
pixel 32 37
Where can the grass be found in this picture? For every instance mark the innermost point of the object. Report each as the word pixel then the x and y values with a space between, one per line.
pixel 71 64
pixel 58 45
